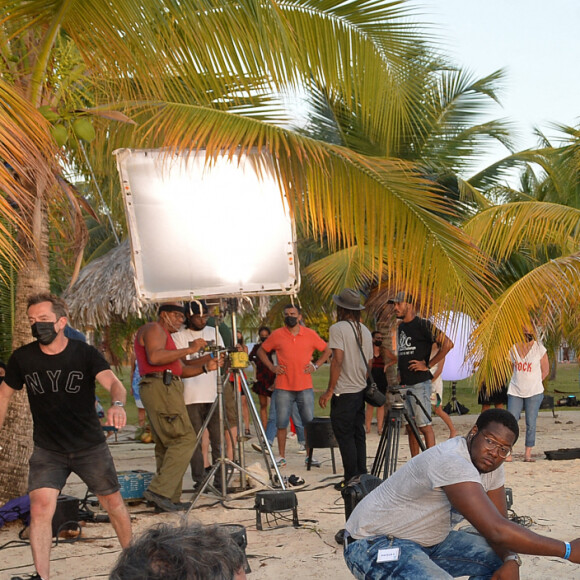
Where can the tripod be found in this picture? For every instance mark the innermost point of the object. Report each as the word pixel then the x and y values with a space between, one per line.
pixel 225 465
pixel 388 449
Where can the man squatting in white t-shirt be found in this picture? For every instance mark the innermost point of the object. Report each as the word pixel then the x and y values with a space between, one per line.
pixel 403 529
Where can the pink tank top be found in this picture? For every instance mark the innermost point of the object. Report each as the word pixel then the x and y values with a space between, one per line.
pixel 145 367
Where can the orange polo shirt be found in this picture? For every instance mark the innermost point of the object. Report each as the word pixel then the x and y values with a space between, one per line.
pixel 294 352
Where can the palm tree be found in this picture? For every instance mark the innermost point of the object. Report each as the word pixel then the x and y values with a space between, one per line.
pixel 533 240
pixel 204 73
pixel 443 140
pixel 28 172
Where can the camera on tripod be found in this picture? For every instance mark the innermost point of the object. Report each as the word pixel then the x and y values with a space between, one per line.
pixel 236 359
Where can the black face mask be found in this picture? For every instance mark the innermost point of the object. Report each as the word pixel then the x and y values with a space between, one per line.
pixel 44 332
pixel 378 342
pixel 290 321
pixel 529 337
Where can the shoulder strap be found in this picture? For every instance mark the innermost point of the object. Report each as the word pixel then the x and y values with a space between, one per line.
pixel 360 347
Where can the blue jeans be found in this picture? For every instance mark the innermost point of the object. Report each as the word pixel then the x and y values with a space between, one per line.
pixel 423 392
pixel 271 428
pixel 459 554
pixel 532 406
pixel 285 400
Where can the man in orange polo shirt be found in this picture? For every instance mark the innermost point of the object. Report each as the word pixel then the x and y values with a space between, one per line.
pixel 294 345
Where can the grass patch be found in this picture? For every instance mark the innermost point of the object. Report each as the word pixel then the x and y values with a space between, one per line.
pixel 567 381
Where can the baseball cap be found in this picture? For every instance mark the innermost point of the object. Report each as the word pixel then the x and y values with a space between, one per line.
pixel 400 297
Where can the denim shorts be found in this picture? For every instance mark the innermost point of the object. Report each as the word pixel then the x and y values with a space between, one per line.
pixel 285 401
pixel 423 392
pixel 94 466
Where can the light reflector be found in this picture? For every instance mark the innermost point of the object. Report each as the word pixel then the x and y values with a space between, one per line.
pixel 215 229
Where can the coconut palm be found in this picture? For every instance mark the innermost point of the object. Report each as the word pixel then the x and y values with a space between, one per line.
pixel 534 242
pixel 203 73
pixel 444 139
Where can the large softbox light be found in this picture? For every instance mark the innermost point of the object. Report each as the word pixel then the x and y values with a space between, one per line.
pixel 198 229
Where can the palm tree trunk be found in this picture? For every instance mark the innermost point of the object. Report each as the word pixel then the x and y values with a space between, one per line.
pixel 16 434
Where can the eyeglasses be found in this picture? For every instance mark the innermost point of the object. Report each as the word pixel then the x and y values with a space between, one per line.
pixel 492 445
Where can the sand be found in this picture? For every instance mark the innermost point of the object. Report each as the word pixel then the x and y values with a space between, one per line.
pixel 545 492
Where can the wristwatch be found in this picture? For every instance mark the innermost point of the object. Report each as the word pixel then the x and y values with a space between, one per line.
pixel 514 557
pixel 118 404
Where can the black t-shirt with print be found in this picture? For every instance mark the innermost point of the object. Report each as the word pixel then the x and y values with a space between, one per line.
pixel 61 392
pixel 415 340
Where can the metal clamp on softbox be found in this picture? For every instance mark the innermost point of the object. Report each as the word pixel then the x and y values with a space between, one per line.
pixel 276 501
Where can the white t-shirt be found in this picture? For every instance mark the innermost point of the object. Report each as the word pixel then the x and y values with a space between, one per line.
pixel 203 388
pixel 411 504
pixel 353 375
pixel 526 380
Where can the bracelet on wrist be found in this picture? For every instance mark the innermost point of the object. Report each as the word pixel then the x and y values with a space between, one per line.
pixel 568 550
pixel 315 366
pixel 204 369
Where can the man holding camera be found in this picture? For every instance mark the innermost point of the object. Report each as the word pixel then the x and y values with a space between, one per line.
pixel 161 392
pixel 200 391
pixel 404 527
pixel 415 338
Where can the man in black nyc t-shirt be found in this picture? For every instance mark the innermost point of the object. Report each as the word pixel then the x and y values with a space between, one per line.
pixel 59 375
pixel 415 338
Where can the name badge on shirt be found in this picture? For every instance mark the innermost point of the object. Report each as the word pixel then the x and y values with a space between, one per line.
pixel 388 555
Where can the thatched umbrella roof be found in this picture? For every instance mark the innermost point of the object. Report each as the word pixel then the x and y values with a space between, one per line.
pixel 105 289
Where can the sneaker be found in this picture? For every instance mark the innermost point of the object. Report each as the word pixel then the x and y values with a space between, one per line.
pixel 27 577
pixel 340 485
pixel 281 462
pixel 313 462
pixel 301 448
pixel 291 435
pixel 159 501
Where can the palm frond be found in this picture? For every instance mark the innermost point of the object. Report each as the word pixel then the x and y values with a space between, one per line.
pixel 24 167
pixel 503 229
pixel 542 294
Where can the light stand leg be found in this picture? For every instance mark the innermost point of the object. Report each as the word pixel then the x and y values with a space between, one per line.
pixel 240 379
pixel 261 433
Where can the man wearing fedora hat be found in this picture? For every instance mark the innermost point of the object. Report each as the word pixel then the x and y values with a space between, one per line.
pixel 347 382
pixel 415 338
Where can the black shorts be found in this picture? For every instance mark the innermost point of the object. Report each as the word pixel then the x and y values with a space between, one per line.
pixel 94 466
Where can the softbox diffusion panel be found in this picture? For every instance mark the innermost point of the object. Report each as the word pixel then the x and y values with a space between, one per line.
pixel 197 230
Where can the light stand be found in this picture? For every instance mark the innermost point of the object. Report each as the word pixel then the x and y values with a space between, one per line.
pixel 224 464
pixel 454 406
